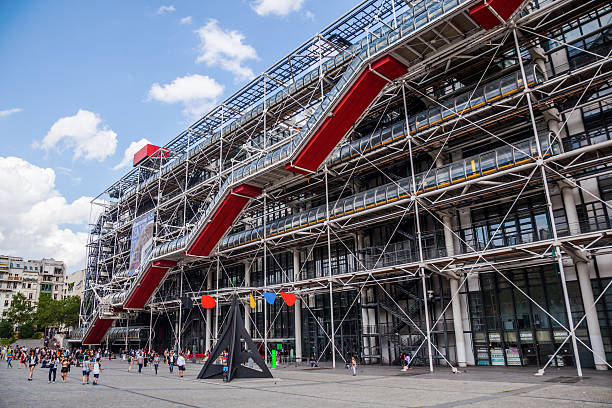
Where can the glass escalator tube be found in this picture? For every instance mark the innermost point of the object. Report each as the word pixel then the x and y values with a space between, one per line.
pixel 504 157
pixel 522 152
pixel 359 204
pixel 442 177
pixel 381 195
pixel 487 163
pixel 458 172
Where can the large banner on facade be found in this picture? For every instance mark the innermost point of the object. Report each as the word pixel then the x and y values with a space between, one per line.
pixel 142 241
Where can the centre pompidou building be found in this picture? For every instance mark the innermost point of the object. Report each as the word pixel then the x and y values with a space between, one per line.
pixel 426 177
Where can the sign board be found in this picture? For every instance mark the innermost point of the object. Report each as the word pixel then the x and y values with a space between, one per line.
pixel 142 241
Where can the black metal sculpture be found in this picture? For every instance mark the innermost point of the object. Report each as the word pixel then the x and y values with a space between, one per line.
pixel 231 340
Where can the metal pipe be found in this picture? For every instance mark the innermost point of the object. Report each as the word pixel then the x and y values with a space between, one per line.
pixel 418 225
pixel 333 331
pixel 551 216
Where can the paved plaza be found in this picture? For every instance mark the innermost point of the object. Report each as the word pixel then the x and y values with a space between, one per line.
pixel 305 387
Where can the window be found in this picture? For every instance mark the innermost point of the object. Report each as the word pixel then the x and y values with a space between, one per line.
pixel 55 296
pixel 605 185
pixel 6 303
pixel 30 296
pixel 36 268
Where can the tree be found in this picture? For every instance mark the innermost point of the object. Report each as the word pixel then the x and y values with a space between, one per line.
pixel 26 331
pixel 48 312
pixel 20 312
pixel 6 329
pixel 71 308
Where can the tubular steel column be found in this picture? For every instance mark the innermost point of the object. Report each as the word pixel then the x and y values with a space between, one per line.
pixel 247 309
pixel 333 331
pixel 418 225
pixel 297 309
pixel 553 227
pixel 208 314
pixel 584 281
pixel 331 297
pixel 217 303
pixel 180 322
pixel 455 297
pixel 265 275
pixel 150 329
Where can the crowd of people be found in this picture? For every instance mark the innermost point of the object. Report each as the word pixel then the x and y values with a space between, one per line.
pixel 52 358
pixel 143 358
pixel 89 360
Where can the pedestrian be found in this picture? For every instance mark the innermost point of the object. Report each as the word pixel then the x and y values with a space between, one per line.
pixel 65 368
pixel 140 360
pixel 156 362
pixel 354 365
pixel 9 358
pixel 32 361
pixel 97 370
pixel 180 362
pixel 53 363
pixel 407 362
pixel 171 362
pixel 86 369
pixel 145 358
pixel 22 358
pixel 129 358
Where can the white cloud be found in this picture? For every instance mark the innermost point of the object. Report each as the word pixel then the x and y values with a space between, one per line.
pixel 309 15
pixel 198 93
pixel 36 221
pixel 226 49
pixel 84 133
pixel 166 9
pixel 8 112
pixel 128 155
pixel 277 7
pixel 186 20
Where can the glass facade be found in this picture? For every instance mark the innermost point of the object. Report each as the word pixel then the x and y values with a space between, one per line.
pixel 510 329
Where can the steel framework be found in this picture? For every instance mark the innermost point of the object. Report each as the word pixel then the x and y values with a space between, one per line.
pixel 260 177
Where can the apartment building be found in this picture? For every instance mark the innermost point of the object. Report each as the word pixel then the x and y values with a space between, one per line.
pixel 30 278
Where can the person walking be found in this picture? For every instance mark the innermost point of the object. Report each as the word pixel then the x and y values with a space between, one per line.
pixel 171 362
pixel 354 365
pixel 9 358
pixel 32 361
pixel 96 370
pixel 180 362
pixel 140 360
pixel 156 362
pixel 65 368
pixel 53 363
pixel 129 358
pixel 86 369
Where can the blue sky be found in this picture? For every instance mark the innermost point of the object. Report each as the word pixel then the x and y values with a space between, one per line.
pixel 82 80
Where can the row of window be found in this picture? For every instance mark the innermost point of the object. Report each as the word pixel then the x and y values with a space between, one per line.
pixel 25 267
